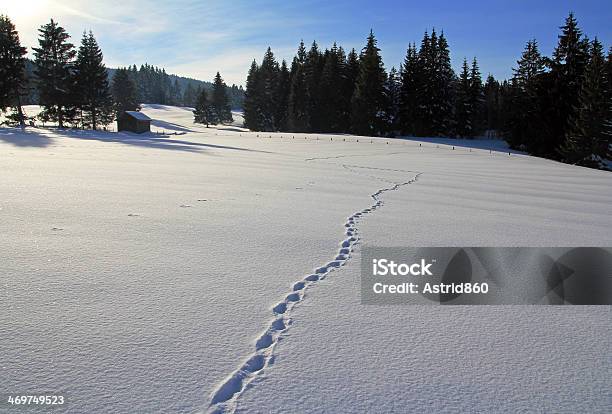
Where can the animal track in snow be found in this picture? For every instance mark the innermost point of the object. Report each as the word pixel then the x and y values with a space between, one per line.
pixel 225 398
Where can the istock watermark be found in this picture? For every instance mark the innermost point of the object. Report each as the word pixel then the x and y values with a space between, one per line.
pixel 486 276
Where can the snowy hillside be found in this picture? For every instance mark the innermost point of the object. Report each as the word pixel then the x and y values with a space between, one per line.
pixel 217 270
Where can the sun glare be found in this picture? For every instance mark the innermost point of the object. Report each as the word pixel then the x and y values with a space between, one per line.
pixel 18 9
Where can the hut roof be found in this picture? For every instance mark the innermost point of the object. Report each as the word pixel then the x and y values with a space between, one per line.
pixel 138 115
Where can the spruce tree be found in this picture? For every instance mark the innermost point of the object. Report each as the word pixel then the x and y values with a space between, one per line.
pixel 369 104
pixel 252 99
pixel 590 135
pixel 524 117
pixel 124 92
pixel 423 112
pixel 91 88
pixel 331 99
pixel 298 113
pixel 476 98
pixel 563 85
pixel 409 93
pixel 204 112
pixel 351 72
pixel 12 68
pixel 491 113
pixel 282 97
pixel 464 108
pixel 393 91
pixel 444 77
pixel 220 103
pixel 54 70
pixel 313 68
pixel 268 76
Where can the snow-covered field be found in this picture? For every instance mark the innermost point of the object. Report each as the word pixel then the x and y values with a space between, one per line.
pixel 194 270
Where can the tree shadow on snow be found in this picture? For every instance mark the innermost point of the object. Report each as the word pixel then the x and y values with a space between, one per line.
pixel 24 138
pixel 170 126
pixel 36 138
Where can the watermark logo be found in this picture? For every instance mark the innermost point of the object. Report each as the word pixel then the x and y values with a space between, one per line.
pixel 486 275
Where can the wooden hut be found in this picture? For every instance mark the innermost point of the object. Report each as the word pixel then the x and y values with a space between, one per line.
pixel 134 121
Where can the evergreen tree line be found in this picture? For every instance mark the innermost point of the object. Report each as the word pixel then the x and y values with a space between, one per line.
pixel 557 107
pixel 154 85
pixel 560 107
pixel 332 91
pixel 72 85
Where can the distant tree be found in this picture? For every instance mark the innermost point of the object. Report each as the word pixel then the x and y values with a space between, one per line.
pixel 54 70
pixel 298 118
pixel 589 139
pixel 369 103
pixel 91 87
pixel 204 112
pixel 124 92
pixel 12 68
pixel 220 105
pixel 174 94
pixel 190 96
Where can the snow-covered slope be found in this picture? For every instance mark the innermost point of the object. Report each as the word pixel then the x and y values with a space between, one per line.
pixel 161 273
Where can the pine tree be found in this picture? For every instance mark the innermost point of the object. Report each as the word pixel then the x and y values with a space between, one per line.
pixel 491 114
pixel 124 92
pixel 444 77
pixel 393 91
pixel 524 124
pixel 590 135
pixel 313 69
pixel 204 112
pixel 282 97
pixel 330 95
pixel 268 76
pixel 563 85
pixel 351 72
pixel 54 67
pixel 91 84
pixel 409 91
pixel 298 114
pixel 220 105
pixel 476 98
pixel 433 114
pixel 464 107
pixel 369 103
pixel 252 99
pixel 12 68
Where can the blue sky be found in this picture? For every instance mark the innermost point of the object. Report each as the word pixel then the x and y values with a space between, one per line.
pixel 197 38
